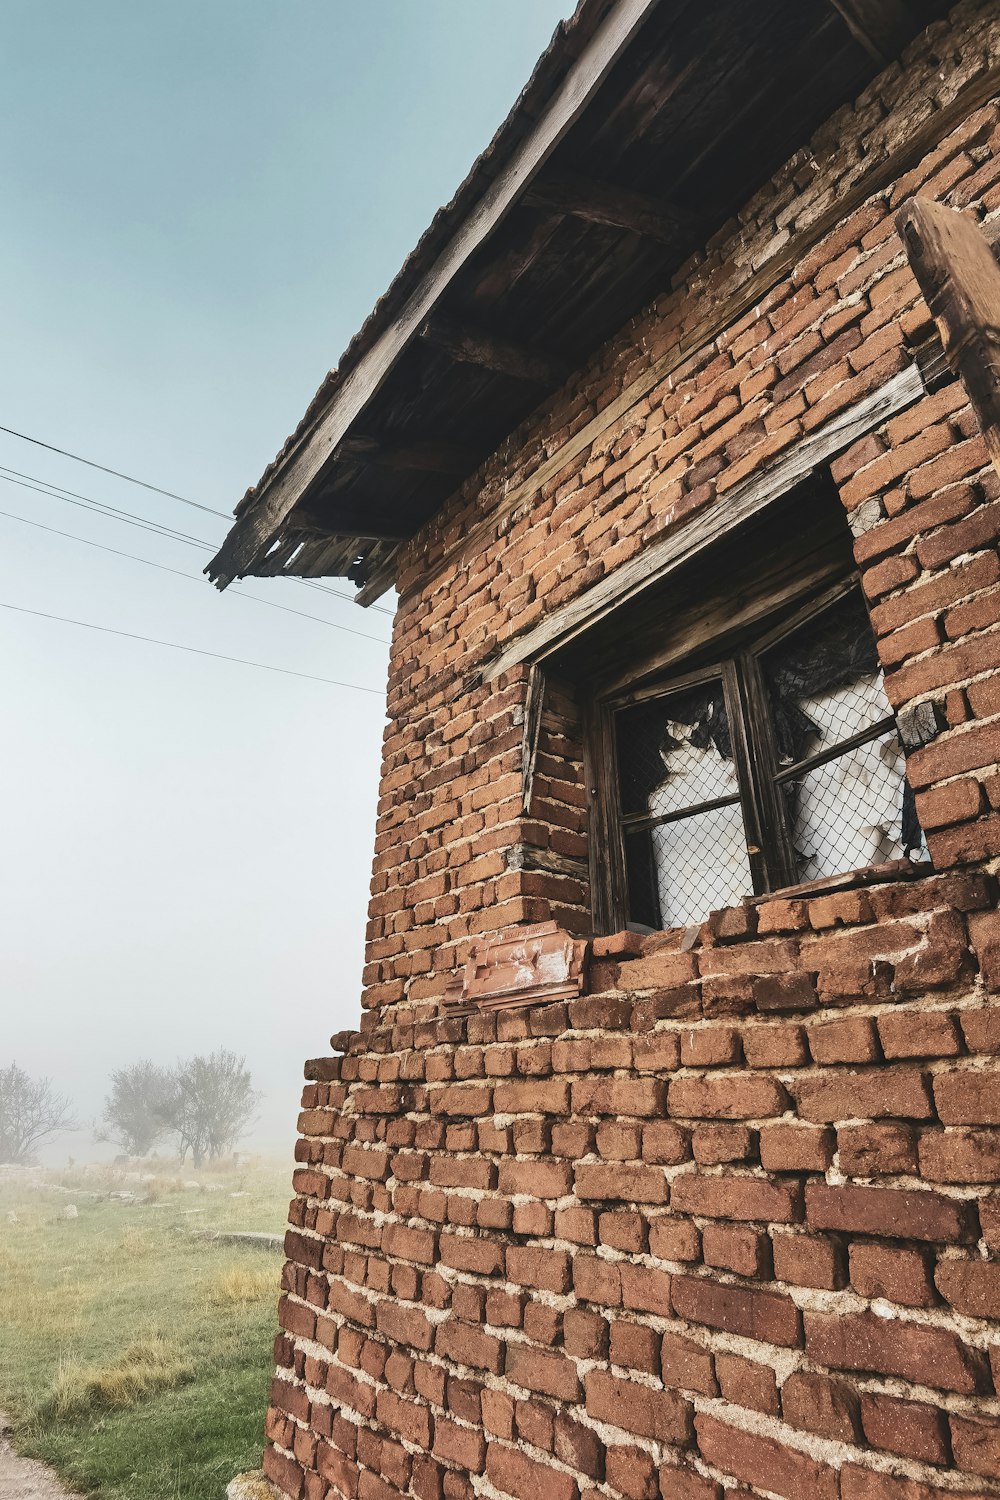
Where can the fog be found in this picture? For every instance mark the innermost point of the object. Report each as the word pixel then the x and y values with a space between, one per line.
pixel 201 205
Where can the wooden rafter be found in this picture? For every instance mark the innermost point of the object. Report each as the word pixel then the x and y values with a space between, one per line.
pixel 427 458
pixel 583 79
pixel 883 27
pixel 958 274
pixel 605 203
pixel 475 346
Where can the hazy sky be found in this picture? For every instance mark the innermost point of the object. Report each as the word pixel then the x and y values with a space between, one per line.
pixel 200 204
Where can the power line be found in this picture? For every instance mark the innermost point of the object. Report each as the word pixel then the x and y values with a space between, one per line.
pixel 129 478
pixel 192 577
pixel 194 650
pixel 129 518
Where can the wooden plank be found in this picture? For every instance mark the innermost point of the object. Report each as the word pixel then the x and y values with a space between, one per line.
pixel 740 505
pixel 960 279
pixel 533 707
pixel 582 81
pixel 606 203
pixel 883 27
pixel 429 457
pixel 476 346
pixel 918 143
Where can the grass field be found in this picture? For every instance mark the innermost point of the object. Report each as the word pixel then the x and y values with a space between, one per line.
pixel 135 1357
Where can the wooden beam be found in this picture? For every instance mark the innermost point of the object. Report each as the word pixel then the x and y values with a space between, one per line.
pixel 474 346
pixel 605 203
pixel 721 315
pixel 259 523
pixel 960 279
pixel 734 509
pixel 427 458
pixel 883 27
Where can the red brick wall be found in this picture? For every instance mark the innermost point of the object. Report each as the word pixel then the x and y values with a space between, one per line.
pixel 731 1219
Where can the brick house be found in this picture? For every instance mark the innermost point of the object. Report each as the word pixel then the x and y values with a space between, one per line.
pixel 666 1158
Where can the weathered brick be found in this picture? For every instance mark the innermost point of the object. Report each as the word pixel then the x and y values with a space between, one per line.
pixel 768 1316
pixel 764 1462
pixel 637 1409
pixel 927 1356
pixel 894 1212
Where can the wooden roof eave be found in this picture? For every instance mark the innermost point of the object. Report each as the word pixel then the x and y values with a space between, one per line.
pixel 262 517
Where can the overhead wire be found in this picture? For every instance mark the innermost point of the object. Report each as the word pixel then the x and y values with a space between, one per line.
pixel 192 577
pixel 157 490
pixel 193 650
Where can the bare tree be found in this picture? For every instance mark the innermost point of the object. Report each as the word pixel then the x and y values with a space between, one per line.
pixel 212 1102
pixel 137 1110
pixel 30 1112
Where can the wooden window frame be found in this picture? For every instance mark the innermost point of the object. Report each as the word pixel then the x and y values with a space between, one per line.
pixel 759 773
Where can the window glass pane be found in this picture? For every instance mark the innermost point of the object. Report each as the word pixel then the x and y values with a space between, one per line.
pixel 675 752
pixel 825 682
pixel 853 811
pixel 701 863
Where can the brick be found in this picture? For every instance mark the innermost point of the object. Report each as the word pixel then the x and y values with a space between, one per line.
pixel 712 1144
pixel 469 1346
pixel 635 1346
pixel 524 1478
pixel 976 1445
pixel 795 1148
pixel 547 1373
pixel 820 1404
pixel 597 1280
pixel 777 1045
pixel 972 1287
pixel 664 1142
pixel 870 1150
pixel 685 1365
pixel 897 1274
pixel 645 1288
pixel 808 1260
pixel 709 1047
pixel 637 1409
pixel 764 1462
pixel 850 1040
pixel 687 1484
pixel 464 1446
pixel 744 1382
pixel 619 1096
pixel 914 1033
pixel 960 1155
pixel 767 1316
pixel 875 1095
pixel 785 992
pixel 631 1472
pixel 909 1428
pixel 732 1197
pixel 894 1212
pixel 747 1252
pixel 926 1356
pixel 967 1098
pixel 617 1183
pixel 736 1096
pixel 865 1484
pixel 546 1270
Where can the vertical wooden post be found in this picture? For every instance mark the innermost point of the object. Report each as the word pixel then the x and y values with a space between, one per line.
pixel 960 279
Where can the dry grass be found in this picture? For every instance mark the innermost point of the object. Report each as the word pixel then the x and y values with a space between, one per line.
pixel 152 1364
pixel 243 1284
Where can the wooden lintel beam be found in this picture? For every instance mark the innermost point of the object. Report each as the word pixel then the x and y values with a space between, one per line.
pixel 474 346
pixel 959 276
pixel 883 27
pixel 605 203
pixel 429 458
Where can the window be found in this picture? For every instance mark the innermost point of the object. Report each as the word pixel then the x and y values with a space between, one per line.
pixel 776 764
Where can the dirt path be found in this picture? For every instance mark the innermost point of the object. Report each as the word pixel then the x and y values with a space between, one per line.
pixel 24 1478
